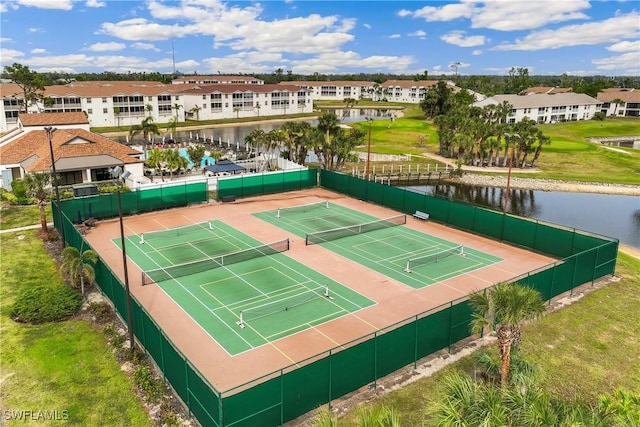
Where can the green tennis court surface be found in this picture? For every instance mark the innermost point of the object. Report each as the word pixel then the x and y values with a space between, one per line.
pixel 242 292
pixel 408 256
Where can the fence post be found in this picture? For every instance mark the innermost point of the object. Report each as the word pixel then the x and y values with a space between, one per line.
pixel 415 345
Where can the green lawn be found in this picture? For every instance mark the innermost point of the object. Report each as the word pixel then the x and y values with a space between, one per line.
pixel 62 366
pixel 583 350
pixel 12 216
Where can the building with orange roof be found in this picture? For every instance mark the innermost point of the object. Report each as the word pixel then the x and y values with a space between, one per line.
pixel 620 102
pixel 80 156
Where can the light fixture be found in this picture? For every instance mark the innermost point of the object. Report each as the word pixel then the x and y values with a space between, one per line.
pixel 120 176
pixel 50 130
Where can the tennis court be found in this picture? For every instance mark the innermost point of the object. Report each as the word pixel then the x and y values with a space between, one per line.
pixel 242 292
pixel 384 245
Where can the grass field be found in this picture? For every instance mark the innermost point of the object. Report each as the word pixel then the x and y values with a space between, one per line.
pixel 13 216
pixel 584 350
pixel 63 366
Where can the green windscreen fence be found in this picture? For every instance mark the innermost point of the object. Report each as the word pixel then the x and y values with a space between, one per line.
pixel 149 200
pixel 290 392
pixel 267 183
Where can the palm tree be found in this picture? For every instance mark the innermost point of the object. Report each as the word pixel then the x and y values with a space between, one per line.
pixel 196 110
pixel 78 266
pixel 174 161
pixel 147 128
pixel 236 110
pixel 172 125
pixel 504 309
pixel 258 108
pixel 617 103
pixel 149 109
pixel 176 107
pixel 196 153
pixel 36 185
pixel 116 112
pixel 156 160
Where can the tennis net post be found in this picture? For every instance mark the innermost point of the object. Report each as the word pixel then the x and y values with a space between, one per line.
pixel 283 304
pixel 433 258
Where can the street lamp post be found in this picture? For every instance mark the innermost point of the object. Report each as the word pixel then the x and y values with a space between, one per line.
pixel 506 196
pixel 50 130
pixel 370 121
pixel 120 177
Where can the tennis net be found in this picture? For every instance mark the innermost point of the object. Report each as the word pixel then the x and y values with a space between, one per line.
pixel 161 274
pixel 433 258
pixel 173 232
pixel 352 230
pixel 303 208
pixel 282 304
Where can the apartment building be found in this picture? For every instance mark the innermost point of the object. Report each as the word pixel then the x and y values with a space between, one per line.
pixel 127 103
pixel 217 79
pixel 544 108
pixel 410 91
pixel 620 102
pixel 335 90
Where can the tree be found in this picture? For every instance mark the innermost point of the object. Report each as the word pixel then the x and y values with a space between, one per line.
pixel 31 83
pixel 258 108
pixel 156 160
pixel 517 80
pixel 236 110
pixel 196 110
pixel 36 185
pixel 116 112
pixel 174 161
pixel 196 153
pixel 147 128
pixel 617 102
pixel 78 266
pixel 176 107
pixel 172 125
pixel 149 109
pixel 503 309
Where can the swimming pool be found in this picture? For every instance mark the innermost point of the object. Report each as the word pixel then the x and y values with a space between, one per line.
pixel 206 160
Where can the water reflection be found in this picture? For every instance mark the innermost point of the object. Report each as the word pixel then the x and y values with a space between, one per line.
pixel 609 215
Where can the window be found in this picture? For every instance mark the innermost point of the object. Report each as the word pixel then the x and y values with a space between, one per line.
pixel 204 96
pixel 150 98
pixel 88 100
pixel 216 106
pixel 90 111
pixel 105 110
pixel 104 100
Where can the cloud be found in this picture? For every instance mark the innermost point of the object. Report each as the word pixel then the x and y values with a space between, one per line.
pixel 612 29
pixel 95 3
pixel 145 46
pixel 47 4
pixel 6 7
pixel 625 64
pixel 457 38
pixel 367 26
pixel 9 56
pixel 38 51
pixel 503 15
pixel 395 36
pixel 625 46
pixel 106 47
pixel 476 52
pixel 421 34
pixel 34 30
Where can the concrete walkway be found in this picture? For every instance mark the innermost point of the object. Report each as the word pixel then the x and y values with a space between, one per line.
pixel 26 227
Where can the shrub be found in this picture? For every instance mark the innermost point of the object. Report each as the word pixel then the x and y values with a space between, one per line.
pixel 45 303
pixel 599 116
pixel 20 191
pixel 101 311
pixel 152 387
pixel 9 197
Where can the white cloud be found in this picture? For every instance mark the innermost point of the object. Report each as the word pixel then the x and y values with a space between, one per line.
pixel 9 56
pixel 5 39
pixel 47 4
pixel 38 51
pixel 418 33
pixel 106 47
pixel 625 64
pixel 503 15
pixel 625 46
pixel 145 46
pixel 6 7
pixel 612 29
pixel 95 3
pixel 457 38
pixel 477 52
pixel 395 36
pixel 34 30
pixel 367 26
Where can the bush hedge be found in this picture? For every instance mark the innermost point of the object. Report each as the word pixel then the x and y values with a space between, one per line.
pixel 45 303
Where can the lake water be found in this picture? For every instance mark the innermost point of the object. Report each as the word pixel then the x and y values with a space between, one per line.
pixel 608 215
